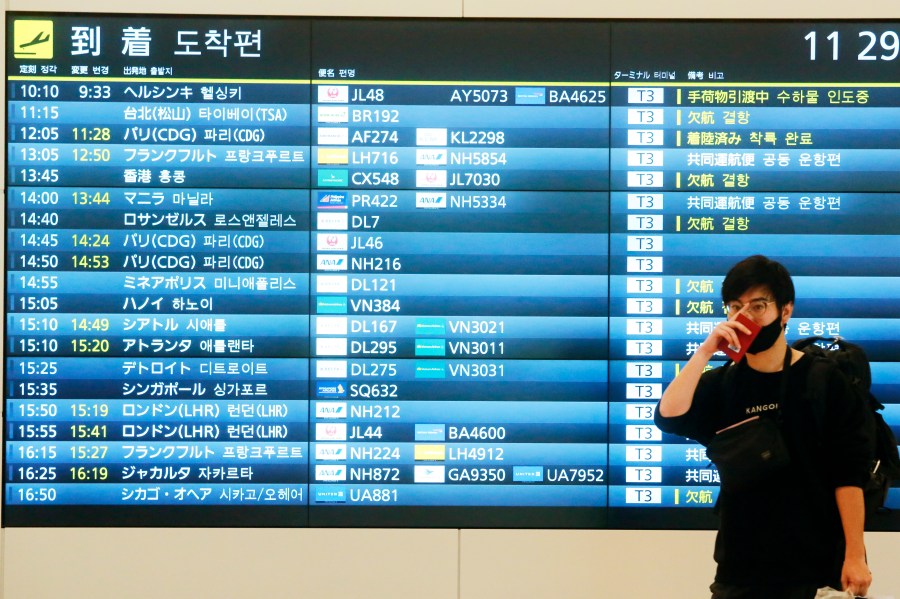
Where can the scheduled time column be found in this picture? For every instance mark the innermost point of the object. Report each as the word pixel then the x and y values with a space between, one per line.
pixel 157 271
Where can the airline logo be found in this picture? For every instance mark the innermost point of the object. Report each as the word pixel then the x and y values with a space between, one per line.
pixel 331 431
pixel 332 221
pixel 431 137
pixel 331 369
pixel 528 474
pixel 331 305
pixel 428 474
pixel 332 200
pixel 33 40
pixel 431 347
pixel 531 95
pixel 331 409
pixel 331 283
pixel 337 389
pixel 336 473
pixel 333 114
pixel 431 200
pixel 425 178
pixel 431 326
pixel 331 242
pixel 331 262
pixel 328 177
pixel 333 94
pixel 430 453
pixel 331 495
pixel 333 136
pixel 331 452
pixel 331 346
pixel 430 432
pixel 331 325
pixel 430 370
pixel 333 155
pixel 435 157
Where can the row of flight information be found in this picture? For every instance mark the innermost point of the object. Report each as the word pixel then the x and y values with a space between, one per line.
pixel 416 273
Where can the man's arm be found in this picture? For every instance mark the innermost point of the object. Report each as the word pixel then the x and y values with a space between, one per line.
pixel 678 396
pixel 855 575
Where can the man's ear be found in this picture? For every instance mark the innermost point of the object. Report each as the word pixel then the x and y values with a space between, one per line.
pixel 786 312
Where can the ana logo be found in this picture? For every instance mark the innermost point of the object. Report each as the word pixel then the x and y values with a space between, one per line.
pixel 331 473
pixel 431 200
pixel 431 157
pixel 331 409
pixel 331 452
pixel 336 262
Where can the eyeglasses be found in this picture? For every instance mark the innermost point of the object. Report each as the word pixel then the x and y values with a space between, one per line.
pixel 754 309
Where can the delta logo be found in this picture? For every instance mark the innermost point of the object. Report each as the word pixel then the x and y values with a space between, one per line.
pixel 329 200
pixel 331 325
pixel 331 369
pixel 332 221
pixel 331 283
pixel 331 346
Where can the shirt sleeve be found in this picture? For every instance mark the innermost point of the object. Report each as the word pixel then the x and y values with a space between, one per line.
pixel 699 422
pixel 849 440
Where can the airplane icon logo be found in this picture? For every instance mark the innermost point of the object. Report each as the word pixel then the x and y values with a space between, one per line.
pixel 33 39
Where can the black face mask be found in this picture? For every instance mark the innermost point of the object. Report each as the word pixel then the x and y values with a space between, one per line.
pixel 767 337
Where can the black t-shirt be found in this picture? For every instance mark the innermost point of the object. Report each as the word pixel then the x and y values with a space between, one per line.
pixel 786 529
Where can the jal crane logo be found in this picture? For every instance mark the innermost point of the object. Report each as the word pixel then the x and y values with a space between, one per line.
pixel 33 39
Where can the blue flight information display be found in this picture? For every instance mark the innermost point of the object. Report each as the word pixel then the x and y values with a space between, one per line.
pixel 416 273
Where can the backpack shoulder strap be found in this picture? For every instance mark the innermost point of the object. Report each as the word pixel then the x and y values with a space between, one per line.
pixel 817 389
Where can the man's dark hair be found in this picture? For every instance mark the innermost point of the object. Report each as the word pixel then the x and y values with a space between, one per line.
pixel 758 271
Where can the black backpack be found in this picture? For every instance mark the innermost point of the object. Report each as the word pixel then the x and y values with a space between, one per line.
pixel 853 363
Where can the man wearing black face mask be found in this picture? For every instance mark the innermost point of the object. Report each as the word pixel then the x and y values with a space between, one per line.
pixel 795 523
